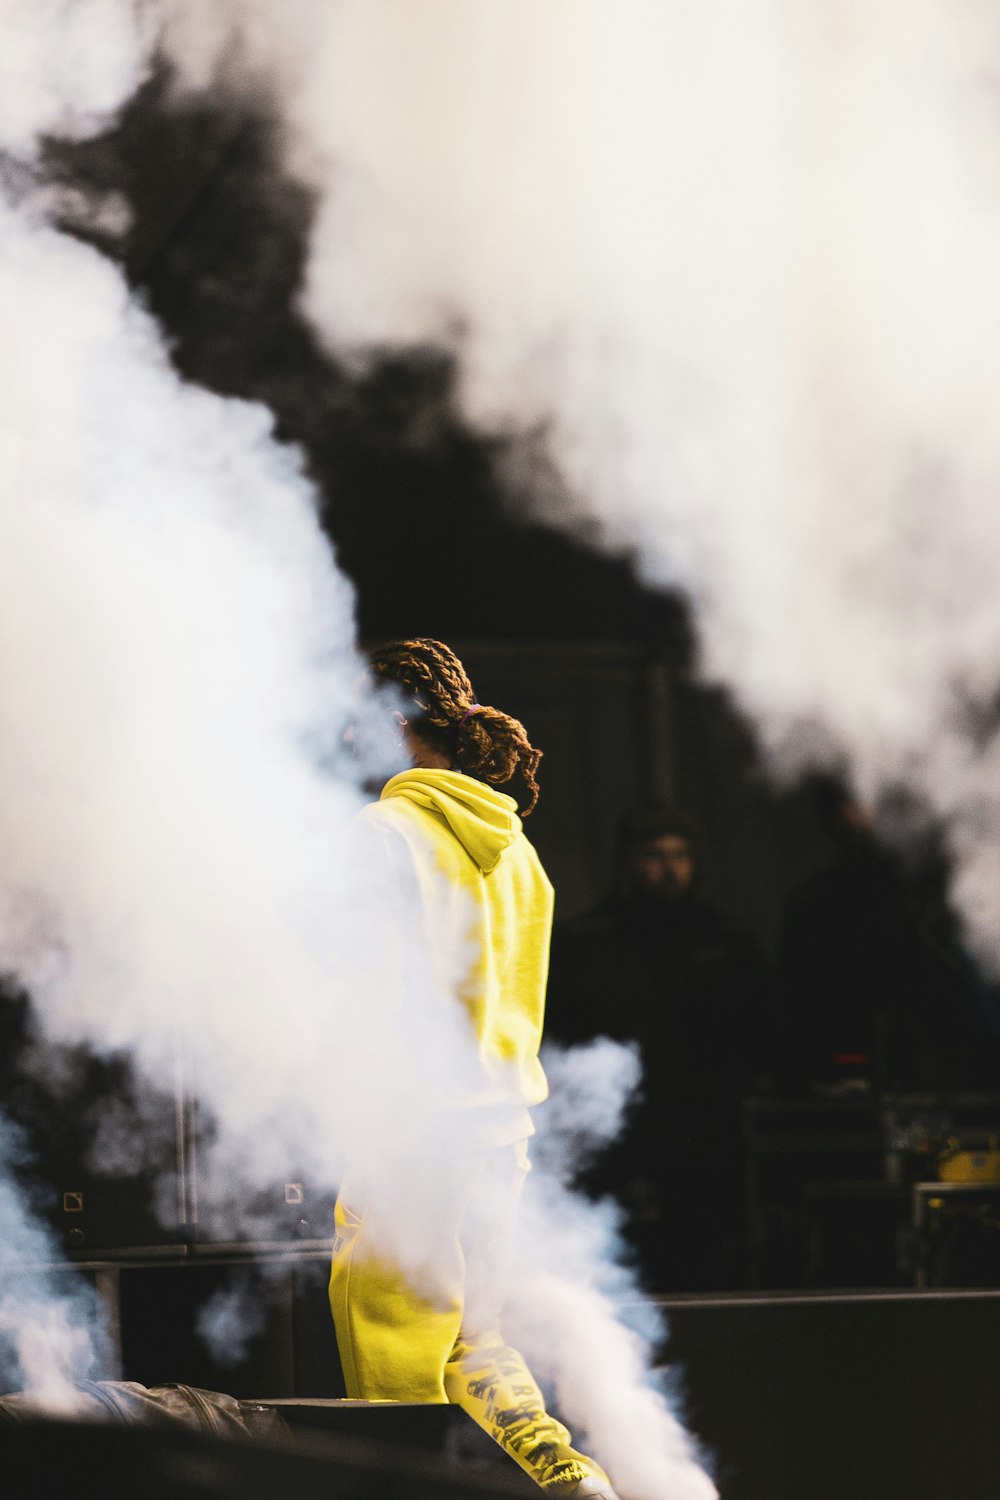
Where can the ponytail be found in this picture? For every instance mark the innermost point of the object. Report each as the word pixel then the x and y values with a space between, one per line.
pixel 477 739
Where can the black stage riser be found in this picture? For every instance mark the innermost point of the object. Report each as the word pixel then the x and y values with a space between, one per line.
pixel 849 1398
pixel 96 1462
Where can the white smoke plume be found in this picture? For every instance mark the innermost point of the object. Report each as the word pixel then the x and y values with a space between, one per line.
pixel 231 1318
pixel 174 797
pixel 599 1368
pixel 575 1309
pixel 177 671
pixel 178 664
pixel 592 1087
pixel 54 78
pixel 177 877
pixel 49 1337
pixel 737 262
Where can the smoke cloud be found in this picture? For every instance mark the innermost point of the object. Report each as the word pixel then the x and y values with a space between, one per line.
pixel 736 263
pixel 180 879
pixel 177 879
pixel 55 80
pixel 575 1308
pixel 178 876
pixel 231 1318
pixel 47 1326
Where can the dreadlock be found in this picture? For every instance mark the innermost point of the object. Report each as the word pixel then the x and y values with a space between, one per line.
pixel 477 739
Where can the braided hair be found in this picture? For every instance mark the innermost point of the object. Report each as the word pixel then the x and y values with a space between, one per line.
pixel 476 739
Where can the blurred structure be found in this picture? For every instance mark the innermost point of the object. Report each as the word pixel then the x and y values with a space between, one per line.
pixel 887 1063
pixel 877 990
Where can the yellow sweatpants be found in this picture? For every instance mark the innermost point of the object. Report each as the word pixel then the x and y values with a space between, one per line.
pixel 444 1343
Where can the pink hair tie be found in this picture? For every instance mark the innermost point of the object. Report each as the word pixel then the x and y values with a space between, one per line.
pixel 468 711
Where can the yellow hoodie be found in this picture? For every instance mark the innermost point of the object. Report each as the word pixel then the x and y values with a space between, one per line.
pixel 481 888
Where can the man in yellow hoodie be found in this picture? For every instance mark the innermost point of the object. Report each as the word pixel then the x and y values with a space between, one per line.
pixel 477 884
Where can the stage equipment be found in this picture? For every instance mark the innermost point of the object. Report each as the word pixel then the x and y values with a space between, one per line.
pixel 408 1449
pixel 968 1159
pixel 443 1430
pixel 96 1461
pixel 956 1229
pixel 815 1396
pixel 829 1181
pixel 118 1169
pixel 101 1154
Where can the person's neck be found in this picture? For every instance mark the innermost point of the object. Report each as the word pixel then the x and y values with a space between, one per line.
pixel 432 762
pixel 425 756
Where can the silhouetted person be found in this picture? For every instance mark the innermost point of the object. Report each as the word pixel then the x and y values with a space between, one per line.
pixel 659 964
pixel 874 980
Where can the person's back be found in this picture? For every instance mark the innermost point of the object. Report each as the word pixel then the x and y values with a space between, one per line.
pixel 480 887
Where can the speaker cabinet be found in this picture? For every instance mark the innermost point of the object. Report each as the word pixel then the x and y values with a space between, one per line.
pixel 99 1155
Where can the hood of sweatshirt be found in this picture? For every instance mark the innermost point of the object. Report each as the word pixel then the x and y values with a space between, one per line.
pixel 484 820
